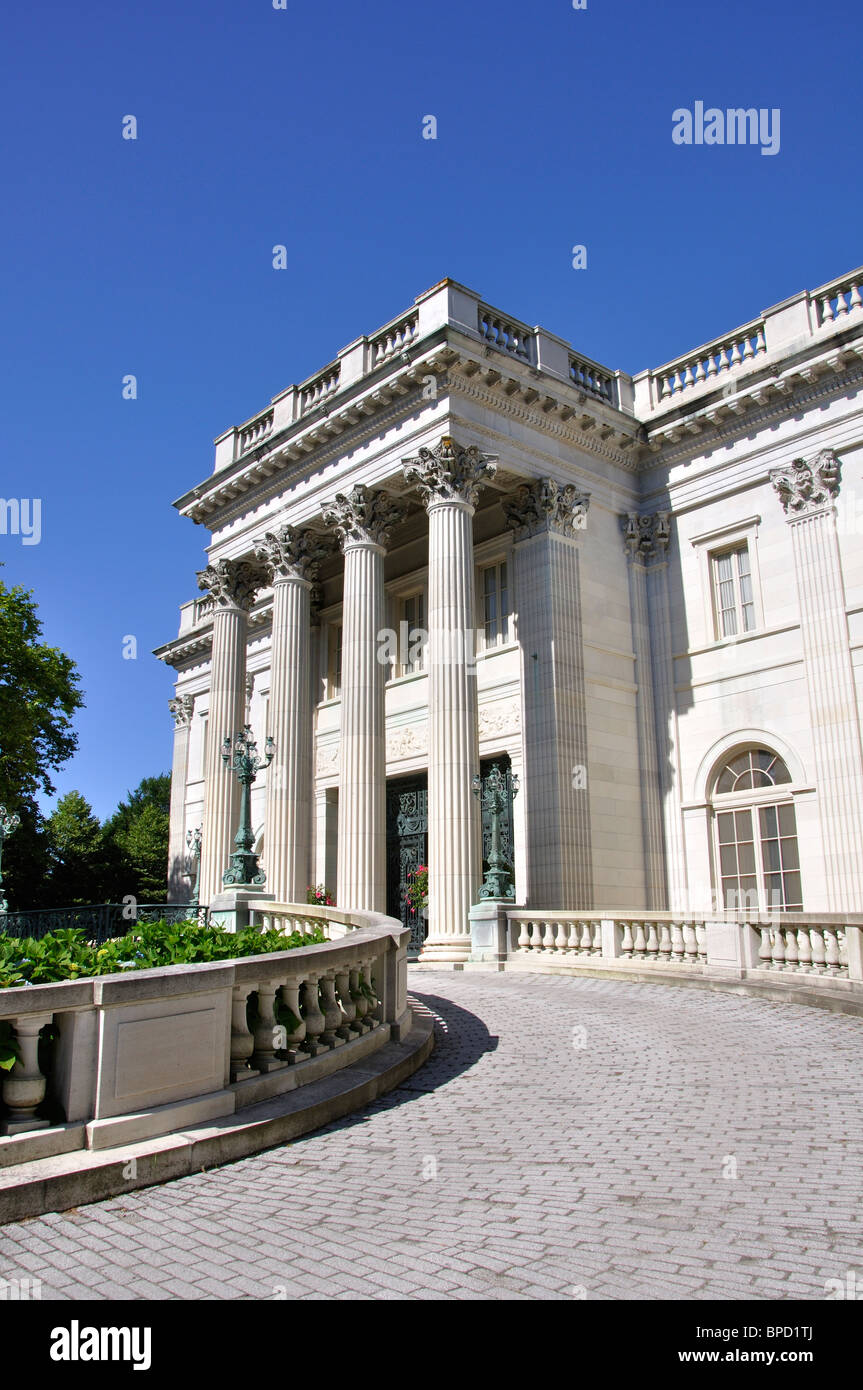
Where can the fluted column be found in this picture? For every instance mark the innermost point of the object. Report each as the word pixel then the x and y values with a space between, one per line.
pixel 291 558
pixel 449 478
pixel 232 585
pixel 179 887
pixel 362 520
pixel 807 492
pixel 646 540
pixel 549 522
pixel 667 735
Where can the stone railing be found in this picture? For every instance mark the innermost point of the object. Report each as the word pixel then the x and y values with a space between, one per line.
pixel 838 299
pixel 505 333
pixel 395 338
pixel 823 947
pixel 713 362
pixel 319 388
pixel 591 377
pixel 256 431
pixel 131 1056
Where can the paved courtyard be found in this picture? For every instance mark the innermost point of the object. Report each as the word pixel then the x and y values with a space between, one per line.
pixel 568 1139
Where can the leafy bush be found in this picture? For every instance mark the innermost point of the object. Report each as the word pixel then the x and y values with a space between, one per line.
pixel 66 955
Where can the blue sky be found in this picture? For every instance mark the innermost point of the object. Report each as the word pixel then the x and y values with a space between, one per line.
pixel 303 126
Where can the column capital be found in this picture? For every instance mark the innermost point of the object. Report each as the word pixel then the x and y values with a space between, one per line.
pixel 289 553
pixel 181 708
pixel 449 472
pixel 645 538
pixel 363 516
pixel 805 488
pixel 543 505
pixel 231 583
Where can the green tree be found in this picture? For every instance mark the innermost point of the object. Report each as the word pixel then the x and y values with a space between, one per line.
pixel 76 848
pixel 138 831
pixel 39 694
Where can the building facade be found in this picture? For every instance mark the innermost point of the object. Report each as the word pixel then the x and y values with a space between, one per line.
pixel 463 544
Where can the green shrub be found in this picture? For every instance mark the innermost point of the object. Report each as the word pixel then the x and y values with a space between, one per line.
pixel 66 955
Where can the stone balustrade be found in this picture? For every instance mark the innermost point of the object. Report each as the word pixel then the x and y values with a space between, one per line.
pixel 839 300
pixel 395 338
pixel 592 378
pixel 147 1053
pixel 505 333
pixel 319 388
pixel 826 947
pixel 256 431
pixel 712 362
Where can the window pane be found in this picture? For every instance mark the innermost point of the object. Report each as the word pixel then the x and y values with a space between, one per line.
pixel 727 860
pixel 790 853
pixel 726 827
pixel 793 893
pixel 769 821
pixel 746 857
pixel 743 824
pixel 772 856
pixel 726 781
pixel 787 820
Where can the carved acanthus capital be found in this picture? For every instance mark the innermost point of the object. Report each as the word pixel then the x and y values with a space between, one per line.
pixel 363 517
pixel 288 553
pixel 181 708
pixel 449 473
pixel 806 487
pixel 646 538
pixel 544 505
pixel 231 583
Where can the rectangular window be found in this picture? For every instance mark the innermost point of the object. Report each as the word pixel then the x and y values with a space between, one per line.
pixel 762 873
pixel 334 679
pixel 495 604
pixel 205 722
pixel 412 634
pixel 733 600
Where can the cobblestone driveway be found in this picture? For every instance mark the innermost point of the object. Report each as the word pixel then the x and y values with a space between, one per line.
pixel 569 1138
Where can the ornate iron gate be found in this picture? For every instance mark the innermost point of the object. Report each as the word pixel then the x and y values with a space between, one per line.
pixel 407 848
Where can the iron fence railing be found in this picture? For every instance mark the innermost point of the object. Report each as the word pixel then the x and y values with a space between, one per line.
pixel 98 921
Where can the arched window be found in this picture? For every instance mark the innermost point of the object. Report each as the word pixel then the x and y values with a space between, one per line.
pixel 758 865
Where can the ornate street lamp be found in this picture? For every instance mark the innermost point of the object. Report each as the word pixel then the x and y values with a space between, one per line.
pixel 8 825
pixel 193 842
pixel 244 760
pixel 494 798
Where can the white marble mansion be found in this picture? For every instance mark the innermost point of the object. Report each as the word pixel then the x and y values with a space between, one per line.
pixel 464 544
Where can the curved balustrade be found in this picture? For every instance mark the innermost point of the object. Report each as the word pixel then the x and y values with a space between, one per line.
pixel 143 1053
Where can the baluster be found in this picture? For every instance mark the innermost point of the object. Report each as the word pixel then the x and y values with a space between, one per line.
pixel 346 1003
pixel 841 306
pixel 831 950
pixel 712 368
pixel 374 1014
pixel 573 942
pixel 652 941
pixel 332 1034
pixel 819 962
pixel 677 943
pixel 548 937
pixel 665 387
pixel 665 941
pixel 690 941
pixel 701 940
pixel 585 946
pixel 536 941
pixel 640 941
pixel 827 311
pixel 748 350
pixel 24 1086
pixel 735 359
pixel 315 1021
pixel 792 955
pixel 291 1000
pixel 264 1057
pixel 700 374
pixel 361 1003
pixel 765 950
pixel 760 344
pixel 524 935
pixel 626 941
pixel 804 949
pixel 561 937
pixel 242 1042
pixel 856 302
pixel 778 953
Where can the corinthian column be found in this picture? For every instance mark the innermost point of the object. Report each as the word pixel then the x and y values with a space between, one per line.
pixel 806 492
pixel 292 558
pixel 362 520
pixel 232 585
pixel 179 888
pixel 448 478
pixel 549 522
pixel 646 541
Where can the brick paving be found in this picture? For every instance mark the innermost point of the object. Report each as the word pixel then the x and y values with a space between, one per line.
pixel 519 1163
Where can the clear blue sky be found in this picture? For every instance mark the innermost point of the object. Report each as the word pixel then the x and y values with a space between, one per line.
pixel 303 126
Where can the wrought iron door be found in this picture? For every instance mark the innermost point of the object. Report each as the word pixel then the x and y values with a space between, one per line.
pixel 407 848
